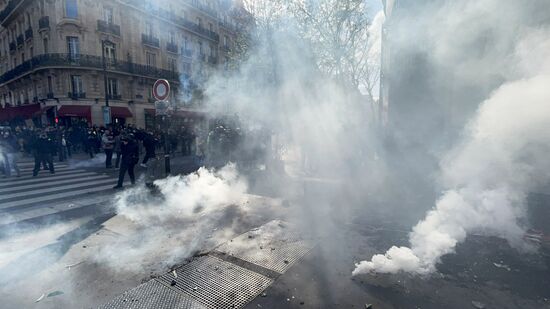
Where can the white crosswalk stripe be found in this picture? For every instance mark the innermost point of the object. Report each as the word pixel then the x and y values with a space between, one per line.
pixel 27 197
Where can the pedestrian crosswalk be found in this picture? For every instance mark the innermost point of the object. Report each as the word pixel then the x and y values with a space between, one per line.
pixel 69 189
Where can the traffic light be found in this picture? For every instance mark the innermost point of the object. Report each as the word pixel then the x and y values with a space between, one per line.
pixel 56 120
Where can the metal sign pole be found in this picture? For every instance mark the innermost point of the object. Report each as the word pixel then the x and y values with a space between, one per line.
pixel 161 92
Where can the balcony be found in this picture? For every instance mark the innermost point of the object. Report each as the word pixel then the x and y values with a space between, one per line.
pixel 187 53
pixel 116 97
pixel 212 60
pixel 20 40
pixel 44 23
pixel 28 34
pixel 77 95
pixel 105 27
pixel 13 46
pixel 50 95
pixel 150 40
pixel 171 47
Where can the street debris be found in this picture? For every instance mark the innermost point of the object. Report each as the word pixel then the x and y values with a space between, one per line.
pixel 55 293
pixel 73 265
pixel 478 305
pixel 175 274
pixel 40 298
pixel 302 303
pixel 368 306
pixel 173 283
pixel 264 295
pixel 286 262
pixel 504 266
pixel 195 288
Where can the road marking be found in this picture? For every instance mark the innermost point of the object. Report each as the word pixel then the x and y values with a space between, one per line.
pixel 42 184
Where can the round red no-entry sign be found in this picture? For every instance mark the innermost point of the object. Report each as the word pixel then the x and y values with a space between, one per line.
pixel 161 89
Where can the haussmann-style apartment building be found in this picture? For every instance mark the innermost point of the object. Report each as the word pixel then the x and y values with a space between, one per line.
pixel 64 60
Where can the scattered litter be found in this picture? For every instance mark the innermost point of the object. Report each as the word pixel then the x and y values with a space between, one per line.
pixel 478 305
pixel 264 295
pixel 84 247
pixel 368 306
pixel 55 293
pixel 175 274
pixel 302 303
pixel 272 249
pixel 502 266
pixel 73 265
pixel 71 205
pixel 40 298
pixel 250 236
pixel 173 283
pixel 286 262
pixel 288 299
pixel 195 288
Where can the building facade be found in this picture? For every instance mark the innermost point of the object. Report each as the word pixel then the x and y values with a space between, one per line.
pixel 65 60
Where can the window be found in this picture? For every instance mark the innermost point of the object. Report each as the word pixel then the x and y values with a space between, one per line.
pixel 45 46
pixel 112 87
pixel 225 41
pixel 211 27
pixel 71 9
pixel 186 44
pixel 73 47
pixel 110 53
pixel 201 51
pixel 22 57
pixel 187 68
pixel 149 29
pixel 151 59
pixel 31 50
pixel 172 37
pixel 199 22
pixel 108 15
pixel 172 64
pixel 50 85
pixel 76 85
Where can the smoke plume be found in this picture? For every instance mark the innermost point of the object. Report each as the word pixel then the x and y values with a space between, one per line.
pixel 502 156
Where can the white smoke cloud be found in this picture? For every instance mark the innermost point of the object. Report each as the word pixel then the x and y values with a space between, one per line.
pixel 186 216
pixel 503 157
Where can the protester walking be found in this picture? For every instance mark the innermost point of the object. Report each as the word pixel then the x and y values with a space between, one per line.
pixel 42 150
pixel 150 145
pixel 130 157
pixel 12 150
pixel 108 144
pixel 117 149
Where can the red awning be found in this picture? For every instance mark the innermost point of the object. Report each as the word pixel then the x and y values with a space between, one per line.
pixel 121 112
pixel 75 111
pixel 23 111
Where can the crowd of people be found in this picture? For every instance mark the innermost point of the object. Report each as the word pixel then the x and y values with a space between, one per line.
pixel 49 144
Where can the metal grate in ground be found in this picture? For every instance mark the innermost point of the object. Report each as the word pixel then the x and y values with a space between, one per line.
pixel 275 246
pixel 153 295
pixel 216 283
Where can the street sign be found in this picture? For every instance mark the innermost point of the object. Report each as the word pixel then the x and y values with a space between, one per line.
pixel 161 89
pixel 106 115
pixel 161 108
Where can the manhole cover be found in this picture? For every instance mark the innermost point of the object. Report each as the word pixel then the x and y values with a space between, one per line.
pixel 152 295
pixel 216 283
pixel 274 246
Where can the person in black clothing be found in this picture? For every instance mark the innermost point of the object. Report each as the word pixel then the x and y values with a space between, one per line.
pixel 42 150
pixel 150 144
pixel 130 157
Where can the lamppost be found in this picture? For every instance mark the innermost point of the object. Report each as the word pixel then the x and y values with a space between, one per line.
pixel 106 109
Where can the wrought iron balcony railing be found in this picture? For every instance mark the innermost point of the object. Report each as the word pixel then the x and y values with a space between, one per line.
pixel 150 40
pixel 171 47
pixel 86 61
pixel 105 27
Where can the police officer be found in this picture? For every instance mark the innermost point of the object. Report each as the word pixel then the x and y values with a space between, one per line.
pixel 42 150
pixel 130 157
